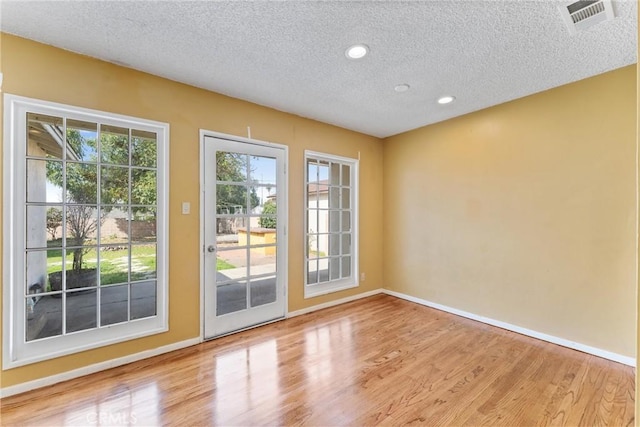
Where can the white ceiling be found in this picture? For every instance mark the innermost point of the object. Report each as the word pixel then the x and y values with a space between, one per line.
pixel 290 55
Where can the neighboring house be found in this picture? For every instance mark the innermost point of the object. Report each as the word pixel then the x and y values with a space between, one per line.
pixel 317 220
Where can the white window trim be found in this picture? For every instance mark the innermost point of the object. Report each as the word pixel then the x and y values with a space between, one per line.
pixel 16 351
pixel 324 288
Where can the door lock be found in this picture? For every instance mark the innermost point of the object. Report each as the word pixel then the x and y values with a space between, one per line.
pixel 211 248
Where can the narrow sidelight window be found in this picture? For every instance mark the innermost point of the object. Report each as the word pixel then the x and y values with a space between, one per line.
pixel 331 223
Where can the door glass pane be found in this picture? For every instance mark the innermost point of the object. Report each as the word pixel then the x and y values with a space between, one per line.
pixel 143 299
pixel 231 232
pixel 268 218
pixel 44 136
pixel 263 291
pixel 231 167
pixel 262 259
pixel 231 199
pixel 231 265
pixel 231 297
pixel 44 317
pixel 263 235
pixel 256 195
pixel 81 310
pixel 262 170
pixel 114 304
pixel 263 264
pixel 81 140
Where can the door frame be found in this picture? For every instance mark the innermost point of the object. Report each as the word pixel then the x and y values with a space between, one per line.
pixel 285 245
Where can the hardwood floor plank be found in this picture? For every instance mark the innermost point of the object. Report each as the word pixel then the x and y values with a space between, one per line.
pixel 377 361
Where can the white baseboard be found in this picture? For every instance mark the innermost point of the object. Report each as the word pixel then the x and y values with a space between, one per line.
pixel 96 367
pixel 333 303
pixel 630 361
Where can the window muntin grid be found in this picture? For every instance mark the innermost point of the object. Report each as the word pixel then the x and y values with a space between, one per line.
pixel 330 219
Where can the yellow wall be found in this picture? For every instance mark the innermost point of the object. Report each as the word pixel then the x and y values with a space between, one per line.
pixel 638 219
pixel 524 212
pixel 38 71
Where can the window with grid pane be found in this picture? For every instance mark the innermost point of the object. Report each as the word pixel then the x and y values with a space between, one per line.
pixel 330 223
pixel 88 266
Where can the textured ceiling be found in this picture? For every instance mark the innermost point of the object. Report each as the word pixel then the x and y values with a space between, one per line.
pixel 290 55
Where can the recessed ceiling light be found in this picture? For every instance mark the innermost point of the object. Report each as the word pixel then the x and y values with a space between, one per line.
pixel 448 99
pixel 357 51
pixel 402 88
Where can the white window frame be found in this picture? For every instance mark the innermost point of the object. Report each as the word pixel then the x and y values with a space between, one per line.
pixel 323 288
pixel 16 350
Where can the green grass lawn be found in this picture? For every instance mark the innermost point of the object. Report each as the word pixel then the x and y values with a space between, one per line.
pixel 223 265
pixel 114 264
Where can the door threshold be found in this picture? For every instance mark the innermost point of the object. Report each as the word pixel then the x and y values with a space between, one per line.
pixel 257 325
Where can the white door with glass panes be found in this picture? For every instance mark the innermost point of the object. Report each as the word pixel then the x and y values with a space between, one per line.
pixel 244 234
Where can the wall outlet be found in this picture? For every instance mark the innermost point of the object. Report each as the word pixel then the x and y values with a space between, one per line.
pixel 362 277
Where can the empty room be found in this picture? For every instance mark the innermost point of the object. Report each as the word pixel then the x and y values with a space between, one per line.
pixel 319 213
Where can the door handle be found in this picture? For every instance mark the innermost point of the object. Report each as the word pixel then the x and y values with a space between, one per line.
pixel 211 248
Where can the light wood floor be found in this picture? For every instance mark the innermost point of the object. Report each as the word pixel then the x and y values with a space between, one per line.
pixel 379 360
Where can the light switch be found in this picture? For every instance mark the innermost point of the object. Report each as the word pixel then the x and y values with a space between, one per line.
pixel 186 208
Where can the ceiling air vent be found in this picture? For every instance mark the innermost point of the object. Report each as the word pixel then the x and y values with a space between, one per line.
pixel 583 14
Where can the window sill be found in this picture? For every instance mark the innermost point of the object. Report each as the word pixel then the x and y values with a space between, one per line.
pixel 311 291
